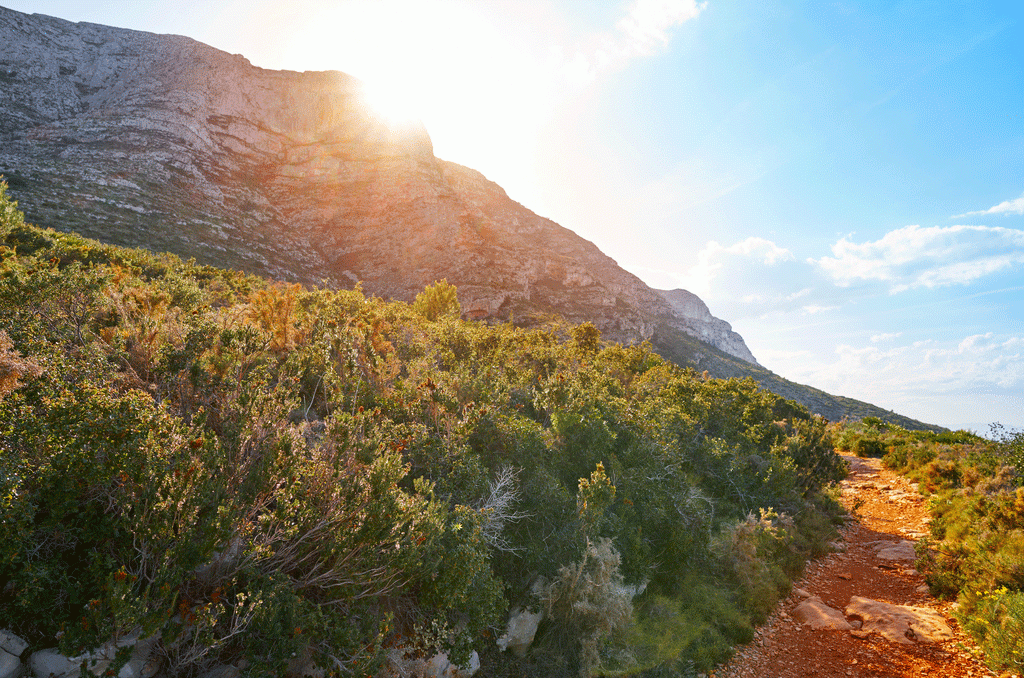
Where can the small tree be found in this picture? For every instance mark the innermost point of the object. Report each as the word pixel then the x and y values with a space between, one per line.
pixel 438 300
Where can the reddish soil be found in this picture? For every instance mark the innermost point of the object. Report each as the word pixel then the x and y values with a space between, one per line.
pixel 885 506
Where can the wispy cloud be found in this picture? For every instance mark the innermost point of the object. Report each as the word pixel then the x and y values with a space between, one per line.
pixel 644 30
pixel 1005 207
pixel 649 21
pixel 815 310
pixel 945 370
pixel 885 336
pixel 753 277
pixel 714 257
pixel 913 256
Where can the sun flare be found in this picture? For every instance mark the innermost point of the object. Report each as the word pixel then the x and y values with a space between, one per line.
pixel 481 88
pixel 392 104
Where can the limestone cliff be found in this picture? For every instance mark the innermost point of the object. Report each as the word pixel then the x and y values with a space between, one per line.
pixel 693 317
pixel 162 142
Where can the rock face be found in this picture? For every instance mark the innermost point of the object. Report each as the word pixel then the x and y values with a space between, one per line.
pixel 694 318
pixel 162 142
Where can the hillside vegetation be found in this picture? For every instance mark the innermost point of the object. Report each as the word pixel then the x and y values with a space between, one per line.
pixel 265 472
pixel 976 549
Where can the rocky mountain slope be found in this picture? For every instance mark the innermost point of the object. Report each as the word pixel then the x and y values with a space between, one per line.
pixel 162 142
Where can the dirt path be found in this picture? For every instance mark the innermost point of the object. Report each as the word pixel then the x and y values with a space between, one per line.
pixel 890 511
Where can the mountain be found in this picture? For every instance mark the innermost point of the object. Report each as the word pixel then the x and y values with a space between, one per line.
pixel 162 142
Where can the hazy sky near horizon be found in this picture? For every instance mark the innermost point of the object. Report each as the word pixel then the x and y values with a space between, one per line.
pixel 842 181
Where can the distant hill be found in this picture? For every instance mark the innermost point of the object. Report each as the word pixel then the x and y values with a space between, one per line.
pixel 685 350
pixel 162 142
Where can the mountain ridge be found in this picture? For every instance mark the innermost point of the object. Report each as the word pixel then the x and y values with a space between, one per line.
pixel 166 143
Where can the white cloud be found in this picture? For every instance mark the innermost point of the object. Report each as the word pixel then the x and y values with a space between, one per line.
pixel 751 278
pixel 716 258
pixel 897 375
pixel 814 309
pixel 699 180
pixel 885 336
pixel 762 249
pixel 646 27
pixel 644 30
pixel 975 343
pixel 913 256
pixel 1005 207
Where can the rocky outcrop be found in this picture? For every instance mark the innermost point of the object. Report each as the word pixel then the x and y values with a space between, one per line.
pixel 693 317
pixel 162 142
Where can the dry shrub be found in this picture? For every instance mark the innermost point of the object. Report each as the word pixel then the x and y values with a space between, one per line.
pixel 13 366
pixel 590 599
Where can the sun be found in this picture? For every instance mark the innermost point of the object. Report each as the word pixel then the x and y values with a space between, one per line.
pixel 457 69
pixel 393 104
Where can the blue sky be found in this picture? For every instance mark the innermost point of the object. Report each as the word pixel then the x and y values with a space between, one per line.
pixel 842 181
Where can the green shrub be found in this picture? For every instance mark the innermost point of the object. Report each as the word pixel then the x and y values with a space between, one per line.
pixel 869 447
pixel 259 470
pixel 996 619
pixel 437 301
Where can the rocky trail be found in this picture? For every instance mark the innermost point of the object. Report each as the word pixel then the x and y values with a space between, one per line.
pixel 863 610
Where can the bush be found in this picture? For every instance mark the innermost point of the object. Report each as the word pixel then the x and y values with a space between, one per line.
pixel 589 600
pixel 259 470
pixel 996 619
pixel 437 301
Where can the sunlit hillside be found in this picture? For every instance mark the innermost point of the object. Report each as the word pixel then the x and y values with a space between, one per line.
pixel 249 471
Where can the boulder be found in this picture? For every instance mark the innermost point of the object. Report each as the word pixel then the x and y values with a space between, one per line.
pixel 899 623
pixel 522 627
pixel 50 662
pixel 303 666
pixel 900 551
pixel 10 666
pixel 438 666
pixel 11 643
pixel 141 664
pixel 820 616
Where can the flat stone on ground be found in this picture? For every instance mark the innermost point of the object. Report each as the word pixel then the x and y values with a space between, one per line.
pixel 899 623
pixel 903 550
pixel 819 615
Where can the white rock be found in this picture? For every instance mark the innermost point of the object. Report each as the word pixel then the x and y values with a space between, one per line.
pixel 903 550
pixel 12 643
pixel 10 666
pixel 522 627
pixel 900 623
pixel 143 662
pixel 438 666
pixel 50 662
